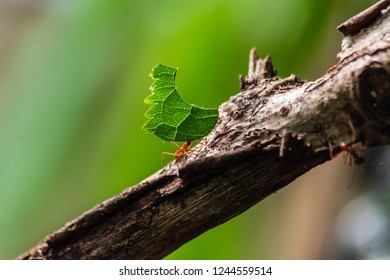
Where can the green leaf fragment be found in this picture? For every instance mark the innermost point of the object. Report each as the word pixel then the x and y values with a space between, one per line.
pixel 169 117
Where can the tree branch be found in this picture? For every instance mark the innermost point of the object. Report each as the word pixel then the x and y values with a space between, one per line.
pixel 273 131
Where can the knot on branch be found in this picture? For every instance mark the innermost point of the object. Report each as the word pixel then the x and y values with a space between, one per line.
pixel 374 90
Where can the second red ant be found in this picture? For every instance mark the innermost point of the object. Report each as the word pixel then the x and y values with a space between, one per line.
pixel 348 150
pixel 351 153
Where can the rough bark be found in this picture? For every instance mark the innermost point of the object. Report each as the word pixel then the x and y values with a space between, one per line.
pixel 273 131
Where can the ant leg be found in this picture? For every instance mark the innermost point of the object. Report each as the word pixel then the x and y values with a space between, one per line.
pixel 348 158
pixel 353 178
pixel 175 144
pixel 357 159
pixel 162 157
pixel 346 150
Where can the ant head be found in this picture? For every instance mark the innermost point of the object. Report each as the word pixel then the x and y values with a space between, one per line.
pixel 344 146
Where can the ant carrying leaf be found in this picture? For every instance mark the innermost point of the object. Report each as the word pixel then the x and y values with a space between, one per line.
pixel 179 152
pixel 172 119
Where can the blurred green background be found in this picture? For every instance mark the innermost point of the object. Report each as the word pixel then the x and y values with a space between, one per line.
pixel 73 77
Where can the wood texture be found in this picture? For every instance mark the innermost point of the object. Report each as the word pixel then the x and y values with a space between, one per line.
pixel 273 131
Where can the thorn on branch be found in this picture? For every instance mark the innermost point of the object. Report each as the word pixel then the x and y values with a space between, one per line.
pixel 361 20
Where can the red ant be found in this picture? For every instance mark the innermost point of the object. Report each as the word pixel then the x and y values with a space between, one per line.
pixel 349 150
pixel 179 152
pixel 351 153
